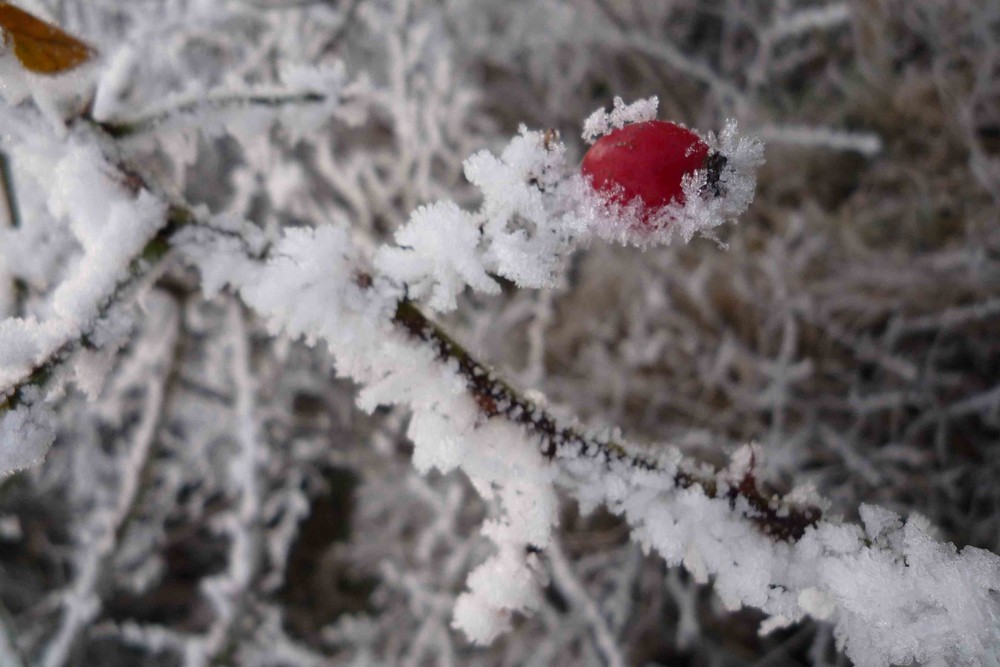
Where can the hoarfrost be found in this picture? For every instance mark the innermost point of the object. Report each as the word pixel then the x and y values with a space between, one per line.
pixel 601 122
pixel 245 441
pixel 26 433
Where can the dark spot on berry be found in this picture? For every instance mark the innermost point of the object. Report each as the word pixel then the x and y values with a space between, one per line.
pixel 714 164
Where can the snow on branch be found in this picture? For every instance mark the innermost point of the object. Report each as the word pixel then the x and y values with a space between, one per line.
pixel 496 398
pixel 85 195
pixel 304 98
pixel 891 592
pixel 778 554
pixel 81 602
pixel 120 229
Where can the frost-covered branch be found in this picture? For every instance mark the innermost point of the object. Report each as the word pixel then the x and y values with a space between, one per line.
pixel 570 585
pixel 120 129
pixel 59 353
pixel 764 551
pixel 496 398
pixel 775 555
pixel 121 255
pixel 124 230
pixel 81 603
pixel 229 591
pixel 846 330
pixel 304 98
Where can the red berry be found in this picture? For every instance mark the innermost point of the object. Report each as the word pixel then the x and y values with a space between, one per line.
pixel 646 160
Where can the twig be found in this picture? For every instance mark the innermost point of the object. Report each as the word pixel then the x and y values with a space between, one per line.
pixel 664 51
pixel 13 221
pixel 152 254
pixel 121 129
pixel 572 588
pixel 10 194
pixel 229 590
pixel 82 603
pixel 496 398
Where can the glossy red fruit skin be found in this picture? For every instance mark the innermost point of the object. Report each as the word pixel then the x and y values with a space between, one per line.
pixel 646 160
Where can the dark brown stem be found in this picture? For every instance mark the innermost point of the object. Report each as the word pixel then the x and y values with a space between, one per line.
pixel 775 517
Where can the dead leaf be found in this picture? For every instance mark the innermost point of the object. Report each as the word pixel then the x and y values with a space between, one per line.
pixel 40 46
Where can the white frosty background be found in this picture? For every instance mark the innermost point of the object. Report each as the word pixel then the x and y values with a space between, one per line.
pixel 215 496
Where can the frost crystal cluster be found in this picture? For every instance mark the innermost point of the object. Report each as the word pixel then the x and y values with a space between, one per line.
pixel 316 347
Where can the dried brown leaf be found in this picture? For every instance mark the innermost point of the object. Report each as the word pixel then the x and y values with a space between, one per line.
pixel 40 46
